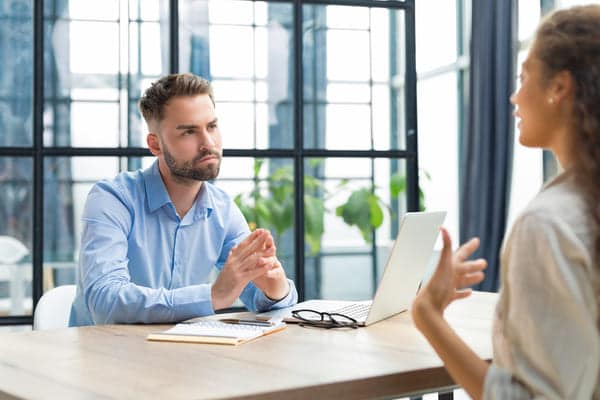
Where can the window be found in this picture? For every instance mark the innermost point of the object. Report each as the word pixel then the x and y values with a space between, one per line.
pixel 311 127
pixel 442 70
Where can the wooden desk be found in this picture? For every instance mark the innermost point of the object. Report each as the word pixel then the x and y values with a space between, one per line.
pixel 387 359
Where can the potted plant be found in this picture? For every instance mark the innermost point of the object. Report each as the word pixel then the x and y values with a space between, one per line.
pixel 270 204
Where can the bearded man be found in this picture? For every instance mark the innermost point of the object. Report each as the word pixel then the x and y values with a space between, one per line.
pixel 151 237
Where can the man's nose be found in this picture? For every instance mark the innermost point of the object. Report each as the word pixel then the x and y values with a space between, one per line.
pixel 206 140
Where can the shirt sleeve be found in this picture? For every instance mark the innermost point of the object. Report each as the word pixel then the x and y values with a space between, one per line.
pixel 104 277
pixel 253 298
pixel 549 322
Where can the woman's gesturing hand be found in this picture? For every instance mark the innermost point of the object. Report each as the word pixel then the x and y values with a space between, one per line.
pixel 452 277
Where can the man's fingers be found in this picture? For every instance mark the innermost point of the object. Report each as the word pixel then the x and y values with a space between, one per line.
pixel 258 270
pixel 252 244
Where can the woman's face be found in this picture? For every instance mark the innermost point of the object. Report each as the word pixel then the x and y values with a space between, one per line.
pixel 535 107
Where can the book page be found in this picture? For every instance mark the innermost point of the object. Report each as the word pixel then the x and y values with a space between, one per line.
pixel 218 329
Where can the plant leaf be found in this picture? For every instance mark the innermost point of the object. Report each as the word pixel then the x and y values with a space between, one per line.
pixel 258 162
pixel 397 184
pixel 375 211
pixel 313 221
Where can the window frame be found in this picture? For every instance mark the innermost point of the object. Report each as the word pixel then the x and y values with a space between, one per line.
pixel 38 152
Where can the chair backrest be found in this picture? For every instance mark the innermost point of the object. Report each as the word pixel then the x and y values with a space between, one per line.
pixel 11 250
pixel 54 308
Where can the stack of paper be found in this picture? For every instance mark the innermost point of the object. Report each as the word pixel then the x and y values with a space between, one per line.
pixel 211 331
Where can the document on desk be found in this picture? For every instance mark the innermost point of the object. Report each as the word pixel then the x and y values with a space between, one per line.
pixel 229 331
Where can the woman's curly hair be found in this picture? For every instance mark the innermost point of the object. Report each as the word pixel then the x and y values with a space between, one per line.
pixel 569 40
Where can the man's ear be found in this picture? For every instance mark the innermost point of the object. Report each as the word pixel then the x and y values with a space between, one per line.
pixel 153 144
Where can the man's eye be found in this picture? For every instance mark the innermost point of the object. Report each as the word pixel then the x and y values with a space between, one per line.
pixel 212 126
pixel 188 132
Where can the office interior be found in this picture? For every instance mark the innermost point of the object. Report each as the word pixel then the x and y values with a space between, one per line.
pixel 350 105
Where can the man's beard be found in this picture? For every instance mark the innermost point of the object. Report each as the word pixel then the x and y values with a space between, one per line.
pixel 187 170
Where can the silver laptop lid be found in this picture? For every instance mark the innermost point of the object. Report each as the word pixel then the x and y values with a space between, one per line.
pixel 406 264
pixel 404 269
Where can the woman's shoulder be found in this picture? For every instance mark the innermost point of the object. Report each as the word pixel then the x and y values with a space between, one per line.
pixel 559 201
pixel 556 217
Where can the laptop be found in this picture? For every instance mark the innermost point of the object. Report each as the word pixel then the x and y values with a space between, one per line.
pixel 404 269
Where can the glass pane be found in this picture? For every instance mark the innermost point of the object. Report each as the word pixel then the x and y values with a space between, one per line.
pixel 346 88
pixel 16 235
pixel 231 12
pixel 346 17
pixel 439 48
pixel 348 126
pixel 95 69
pixel 236 122
pixel 252 78
pixel 147 10
pixel 236 62
pixel 528 18
pixel 342 61
pixel 16 78
pixel 264 191
pixel 67 182
pixel 347 204
pixel 84 9
pixel 22 8
pixel 439 169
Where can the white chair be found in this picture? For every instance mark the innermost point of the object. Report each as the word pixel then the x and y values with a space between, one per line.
pixel 54 308
pixel 12 253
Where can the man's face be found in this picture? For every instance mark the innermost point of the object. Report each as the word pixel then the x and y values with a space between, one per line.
pixel 189 138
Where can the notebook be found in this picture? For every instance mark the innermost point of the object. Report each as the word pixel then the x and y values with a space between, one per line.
pixel 217 332
pixel 404 269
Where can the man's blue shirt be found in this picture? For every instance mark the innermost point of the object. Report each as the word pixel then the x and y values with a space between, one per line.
pixel 140 262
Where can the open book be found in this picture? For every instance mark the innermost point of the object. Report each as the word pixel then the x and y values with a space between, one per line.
pixel 212 331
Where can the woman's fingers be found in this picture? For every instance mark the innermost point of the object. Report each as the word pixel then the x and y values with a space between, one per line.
pixel 470 279
pixel 461 294
pixel 447 249
pixel 467 267
pixel 470 272
pixel 467 249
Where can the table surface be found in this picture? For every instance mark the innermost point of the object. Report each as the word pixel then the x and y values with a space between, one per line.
pixel 387 359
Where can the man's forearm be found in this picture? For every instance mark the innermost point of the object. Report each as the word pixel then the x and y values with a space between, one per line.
pixel 279 291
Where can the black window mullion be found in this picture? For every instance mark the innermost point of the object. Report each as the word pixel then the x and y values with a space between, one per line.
pixel 298 150
pixel 38 157
pixel 412 162
pixel 173 36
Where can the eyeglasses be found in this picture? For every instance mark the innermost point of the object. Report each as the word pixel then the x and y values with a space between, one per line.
pixel 324 319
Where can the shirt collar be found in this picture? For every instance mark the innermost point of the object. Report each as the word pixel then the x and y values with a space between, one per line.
pixel 204 202
pixel 157 195
pixel 156 192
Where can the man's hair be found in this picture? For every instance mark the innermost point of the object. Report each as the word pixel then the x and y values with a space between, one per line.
pixel 153 101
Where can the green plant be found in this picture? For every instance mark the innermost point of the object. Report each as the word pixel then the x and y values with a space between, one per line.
pixel 365 209
pixel 271 204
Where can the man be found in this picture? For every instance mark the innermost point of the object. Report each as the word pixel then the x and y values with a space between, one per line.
pixel 150 238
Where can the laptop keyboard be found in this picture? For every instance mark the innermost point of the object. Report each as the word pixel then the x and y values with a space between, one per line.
pixel 357 311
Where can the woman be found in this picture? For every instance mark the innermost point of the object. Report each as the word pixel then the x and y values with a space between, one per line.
pixel 546 327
